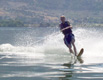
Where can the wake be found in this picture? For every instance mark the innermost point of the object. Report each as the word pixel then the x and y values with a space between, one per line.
pixel 88 38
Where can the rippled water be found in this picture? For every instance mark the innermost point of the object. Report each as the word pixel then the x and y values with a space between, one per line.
pixel 40 54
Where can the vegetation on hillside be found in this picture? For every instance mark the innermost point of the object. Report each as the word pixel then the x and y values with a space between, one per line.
pixel 11 23
pixel 47 12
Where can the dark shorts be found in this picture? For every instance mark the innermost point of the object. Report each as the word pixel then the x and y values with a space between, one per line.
pixel 68 39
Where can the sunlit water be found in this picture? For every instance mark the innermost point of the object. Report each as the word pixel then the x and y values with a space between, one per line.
pixel 40 54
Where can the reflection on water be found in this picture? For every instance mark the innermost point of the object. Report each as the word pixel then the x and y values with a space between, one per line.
pixel 47 67
pixel 83 71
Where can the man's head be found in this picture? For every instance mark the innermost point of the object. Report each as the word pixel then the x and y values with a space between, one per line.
pixel 62 18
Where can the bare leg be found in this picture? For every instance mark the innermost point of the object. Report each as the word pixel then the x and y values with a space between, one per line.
pixel 70 49
pixel 75 51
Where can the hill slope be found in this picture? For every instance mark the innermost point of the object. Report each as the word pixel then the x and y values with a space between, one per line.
pixel 48 11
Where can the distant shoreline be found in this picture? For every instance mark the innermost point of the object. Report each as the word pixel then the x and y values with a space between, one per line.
pixel 19 23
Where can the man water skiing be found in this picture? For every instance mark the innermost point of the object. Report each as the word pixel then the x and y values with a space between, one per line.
pixel 69 39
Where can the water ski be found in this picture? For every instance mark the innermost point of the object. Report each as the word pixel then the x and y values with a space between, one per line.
pixel 80 53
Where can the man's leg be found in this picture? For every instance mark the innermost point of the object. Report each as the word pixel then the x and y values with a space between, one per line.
pixel 68 43
pixel 70 48
pixel 75 50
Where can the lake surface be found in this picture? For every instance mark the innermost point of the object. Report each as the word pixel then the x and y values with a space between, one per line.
pixel 40 54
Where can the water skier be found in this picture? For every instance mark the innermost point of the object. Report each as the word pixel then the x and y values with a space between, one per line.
pixel 69 39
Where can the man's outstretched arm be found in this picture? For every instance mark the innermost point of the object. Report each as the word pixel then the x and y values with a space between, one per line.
pixel 66 28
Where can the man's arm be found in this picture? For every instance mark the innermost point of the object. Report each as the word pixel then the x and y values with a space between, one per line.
pixel 66 28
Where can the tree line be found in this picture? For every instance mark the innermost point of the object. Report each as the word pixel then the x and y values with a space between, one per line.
pixel 11 23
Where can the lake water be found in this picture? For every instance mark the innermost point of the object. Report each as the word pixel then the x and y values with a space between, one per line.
pixel 39 54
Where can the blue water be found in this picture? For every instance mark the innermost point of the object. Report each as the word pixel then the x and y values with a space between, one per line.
pixel 39 54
